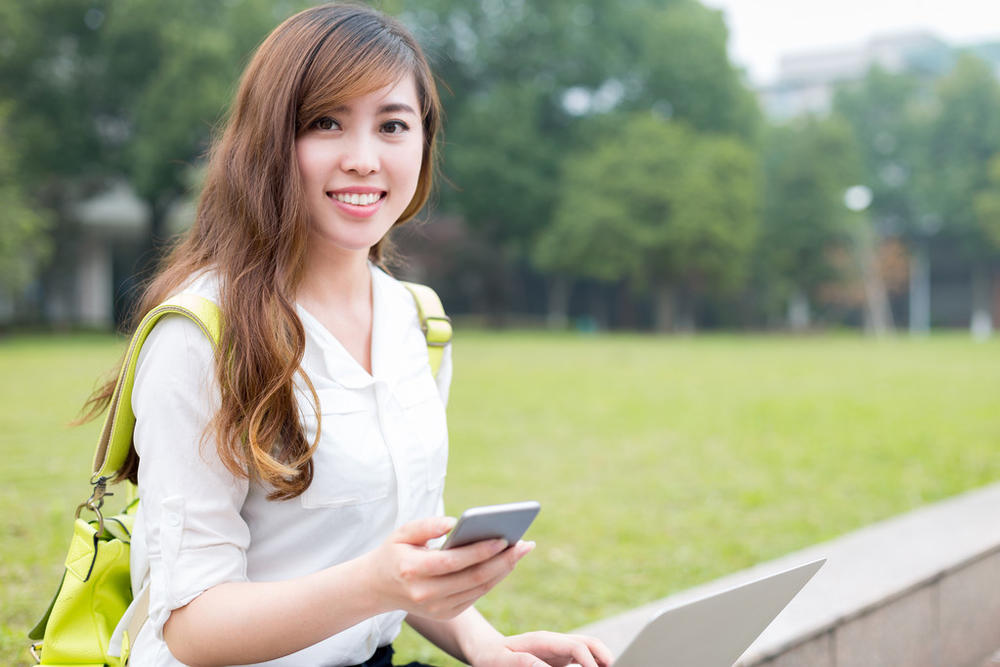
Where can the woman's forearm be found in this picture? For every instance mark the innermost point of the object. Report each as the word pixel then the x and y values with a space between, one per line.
pixel 244 622
pixel 459 636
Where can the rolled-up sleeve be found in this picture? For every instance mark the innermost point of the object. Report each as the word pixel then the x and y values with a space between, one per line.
pixel 443 378
pixel 190 503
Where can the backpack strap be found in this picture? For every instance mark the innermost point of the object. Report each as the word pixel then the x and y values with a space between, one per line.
pixel 116 436
pixel 433 321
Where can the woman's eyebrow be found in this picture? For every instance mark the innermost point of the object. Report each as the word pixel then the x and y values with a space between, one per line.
pixel 396 107
pixel 391 107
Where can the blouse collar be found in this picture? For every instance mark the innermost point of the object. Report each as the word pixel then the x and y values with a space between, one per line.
pixel 388 327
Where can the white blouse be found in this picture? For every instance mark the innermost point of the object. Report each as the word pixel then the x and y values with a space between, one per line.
pixel 381 462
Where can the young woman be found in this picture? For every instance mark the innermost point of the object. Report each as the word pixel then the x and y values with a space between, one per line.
pixel 291 481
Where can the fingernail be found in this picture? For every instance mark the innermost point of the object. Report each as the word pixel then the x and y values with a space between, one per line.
pixel 527 547
pixel 448 522
pixel 500 545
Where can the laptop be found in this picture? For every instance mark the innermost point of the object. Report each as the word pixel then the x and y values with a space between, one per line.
pixel 714 631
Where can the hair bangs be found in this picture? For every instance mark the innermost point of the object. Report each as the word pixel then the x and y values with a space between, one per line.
pixel 357 56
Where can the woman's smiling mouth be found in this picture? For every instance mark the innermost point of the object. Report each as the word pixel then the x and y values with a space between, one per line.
pixel 356 199
pixel 358 203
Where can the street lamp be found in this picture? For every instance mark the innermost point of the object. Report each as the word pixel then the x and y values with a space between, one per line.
pixel 857 199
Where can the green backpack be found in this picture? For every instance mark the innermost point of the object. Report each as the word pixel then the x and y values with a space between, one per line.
pixel 96 588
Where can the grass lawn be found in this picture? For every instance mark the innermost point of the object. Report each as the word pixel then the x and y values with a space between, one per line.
pixel 659 462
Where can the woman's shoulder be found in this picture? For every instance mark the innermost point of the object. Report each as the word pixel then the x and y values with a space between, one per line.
pixel 179 337
pixel 204 283
pixel 397 296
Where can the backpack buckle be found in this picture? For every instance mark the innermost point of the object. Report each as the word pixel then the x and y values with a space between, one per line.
pixel 95 502
pixel 437 330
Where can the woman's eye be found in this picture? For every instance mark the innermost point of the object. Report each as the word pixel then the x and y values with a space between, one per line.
pixel 395 127
pixel 326 123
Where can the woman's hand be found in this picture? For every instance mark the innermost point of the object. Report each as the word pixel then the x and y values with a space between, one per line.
pixel 543 649
pixel 437 584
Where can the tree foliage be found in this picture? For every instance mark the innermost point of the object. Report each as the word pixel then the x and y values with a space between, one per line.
pixel 963 138
pixel 131 88
pixel 658 204
pixel 527 80
pixel 808 164
pixel 986 206
pixel 24 241
pixel 887 115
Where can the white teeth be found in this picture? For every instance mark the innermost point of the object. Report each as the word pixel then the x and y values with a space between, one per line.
pixel 366 199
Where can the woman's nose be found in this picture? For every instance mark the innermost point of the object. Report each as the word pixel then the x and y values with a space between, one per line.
pixel 360 155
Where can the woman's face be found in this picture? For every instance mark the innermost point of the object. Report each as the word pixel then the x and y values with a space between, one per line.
pixel 359 166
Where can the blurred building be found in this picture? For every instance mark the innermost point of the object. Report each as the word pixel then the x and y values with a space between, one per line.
pixel 806 81
pixel 91 279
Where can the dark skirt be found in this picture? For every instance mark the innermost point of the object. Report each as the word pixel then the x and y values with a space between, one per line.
pixel 383 658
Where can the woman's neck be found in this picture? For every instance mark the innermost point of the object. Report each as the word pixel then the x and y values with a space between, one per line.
pixel 337 291
pixel 339 281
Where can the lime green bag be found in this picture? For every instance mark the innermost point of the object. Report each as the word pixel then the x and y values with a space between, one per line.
pixel 93 595
pixel 96 588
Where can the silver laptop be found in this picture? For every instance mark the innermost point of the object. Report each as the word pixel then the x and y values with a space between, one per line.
pixel 714 631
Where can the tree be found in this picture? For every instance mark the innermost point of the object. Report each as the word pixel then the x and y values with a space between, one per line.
pixel 681 68
pixel 127 90
pixel 526 79
pixel 964 136
pixel 986 206
pixel 660 206
pixel 24 243
pixel 886 113
pixel 807 166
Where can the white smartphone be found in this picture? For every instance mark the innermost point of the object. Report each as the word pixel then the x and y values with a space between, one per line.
pixel 508 521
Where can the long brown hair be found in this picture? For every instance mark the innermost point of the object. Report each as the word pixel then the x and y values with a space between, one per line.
pixel 252 227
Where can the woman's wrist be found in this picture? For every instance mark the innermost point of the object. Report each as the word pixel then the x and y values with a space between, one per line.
pixel 476 636
pixel 364 570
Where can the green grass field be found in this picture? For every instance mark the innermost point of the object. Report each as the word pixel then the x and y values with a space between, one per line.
pixel 659 462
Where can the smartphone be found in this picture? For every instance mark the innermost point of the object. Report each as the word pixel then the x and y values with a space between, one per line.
pixel 508 521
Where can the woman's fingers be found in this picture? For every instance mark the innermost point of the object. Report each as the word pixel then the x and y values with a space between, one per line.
pixel 419 532
pixel 528 660
pixel 570 649
pixel 439 583
pixel 457 591
pixel 450 561
pixel 598 649
pixel 493 569
pixel 581 654
pixel 470 584
pixel 468 596
pixel 560 649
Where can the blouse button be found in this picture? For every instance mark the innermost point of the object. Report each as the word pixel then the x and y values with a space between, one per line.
pixel 173 520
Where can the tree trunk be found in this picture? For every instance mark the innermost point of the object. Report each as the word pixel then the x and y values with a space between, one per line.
pixel 798 310
pixel 156 241
pixel 920 289
pixel 685 320
pixel 664 307
pixel 981 325
pixel 996 294
pixel 878 314
pixel 599 308
pixel 559 292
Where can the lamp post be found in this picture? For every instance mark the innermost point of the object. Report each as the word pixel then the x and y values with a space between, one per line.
pixel 857 199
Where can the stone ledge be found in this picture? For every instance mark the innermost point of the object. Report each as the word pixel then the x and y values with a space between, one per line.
pixel 932 573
